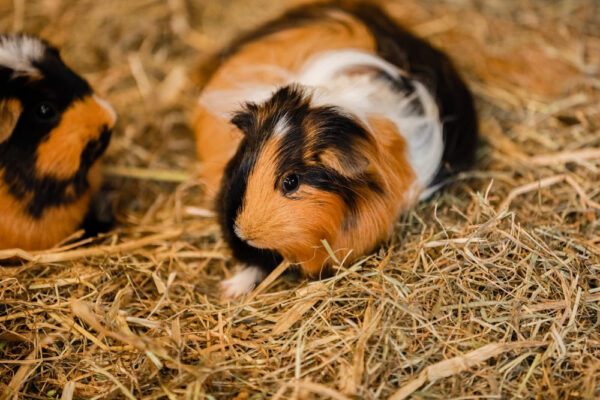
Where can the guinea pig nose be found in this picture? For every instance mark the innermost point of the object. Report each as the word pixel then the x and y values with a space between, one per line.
pixel 106 105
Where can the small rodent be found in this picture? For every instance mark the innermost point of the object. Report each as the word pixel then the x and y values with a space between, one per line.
pixel 326 124
pixel 53 129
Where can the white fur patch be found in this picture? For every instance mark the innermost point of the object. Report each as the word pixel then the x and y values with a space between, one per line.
pixel 18 52
pixel 282 126
pixel 364 95
pixel 242 282
pixel 328 65
pixel 223 103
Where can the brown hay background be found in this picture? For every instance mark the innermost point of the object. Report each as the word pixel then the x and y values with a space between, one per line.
pixel 510 295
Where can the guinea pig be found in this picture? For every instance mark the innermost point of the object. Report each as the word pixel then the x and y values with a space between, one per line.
pixel 325 125
pixel 53 129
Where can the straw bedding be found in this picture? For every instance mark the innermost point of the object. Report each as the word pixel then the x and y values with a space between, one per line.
pixel 490 290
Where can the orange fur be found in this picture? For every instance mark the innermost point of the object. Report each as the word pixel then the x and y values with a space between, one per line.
pixel 376 214
pixel 10 110
pixel 287 50
pixel 214 140
pixel 19 229
pixel 59 156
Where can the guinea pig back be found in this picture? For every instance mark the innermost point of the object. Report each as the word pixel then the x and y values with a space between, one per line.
pixel 325 125
pixel 53 129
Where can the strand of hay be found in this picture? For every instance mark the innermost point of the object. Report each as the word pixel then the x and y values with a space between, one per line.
pixel 147 174
pixel 267 281
pixel 151 349
pixel 453 366
pixel 48 257
pixel 565 157
pixel 308 387
pixel 68 391
pixel 308 297
pixel 543 183
pixel 26 369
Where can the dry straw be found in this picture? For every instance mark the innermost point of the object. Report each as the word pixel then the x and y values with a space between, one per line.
pixel 490 290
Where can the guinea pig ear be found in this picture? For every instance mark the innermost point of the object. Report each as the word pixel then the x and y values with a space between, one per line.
pixel 10 111
pixel 347 163
pixel 245 119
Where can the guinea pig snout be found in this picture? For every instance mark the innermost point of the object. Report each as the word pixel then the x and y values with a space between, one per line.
pixel 247 235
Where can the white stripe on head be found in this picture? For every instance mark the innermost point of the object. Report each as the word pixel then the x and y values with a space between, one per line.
pixel 282 126
pixel 19 52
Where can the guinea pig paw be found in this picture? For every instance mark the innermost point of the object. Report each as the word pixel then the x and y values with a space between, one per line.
pixel 242 282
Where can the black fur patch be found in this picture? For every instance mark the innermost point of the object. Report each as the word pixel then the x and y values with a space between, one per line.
pixel 59 87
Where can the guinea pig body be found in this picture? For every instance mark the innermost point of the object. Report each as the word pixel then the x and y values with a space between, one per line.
pixel 325 125
pixel 53 129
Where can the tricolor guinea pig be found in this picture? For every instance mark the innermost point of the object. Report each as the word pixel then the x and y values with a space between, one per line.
pixel 53 129
pixel 325 125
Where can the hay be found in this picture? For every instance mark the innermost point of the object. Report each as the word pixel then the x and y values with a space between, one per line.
pixel 490 290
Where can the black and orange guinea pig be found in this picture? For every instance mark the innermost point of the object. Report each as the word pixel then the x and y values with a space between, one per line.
pixel 53 129
pixel 326 124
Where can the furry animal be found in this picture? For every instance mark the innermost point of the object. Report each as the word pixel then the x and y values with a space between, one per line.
pixel 53 129
pixel 325 125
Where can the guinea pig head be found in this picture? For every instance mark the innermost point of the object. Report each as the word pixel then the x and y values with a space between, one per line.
pixel 53 129
pixel 298 178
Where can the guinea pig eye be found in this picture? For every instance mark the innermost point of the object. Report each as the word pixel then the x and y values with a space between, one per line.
pixel 290 183
pixel 45 111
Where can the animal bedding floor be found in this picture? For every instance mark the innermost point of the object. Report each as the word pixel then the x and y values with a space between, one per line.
pixel 489 290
